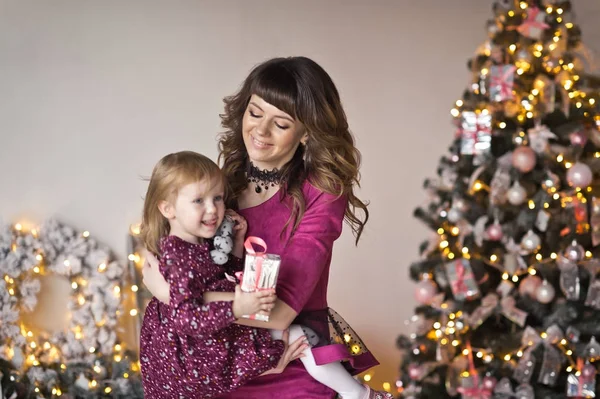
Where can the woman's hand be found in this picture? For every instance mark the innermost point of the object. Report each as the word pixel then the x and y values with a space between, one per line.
pixel 153 280
pixel 239 232
pixel 291 352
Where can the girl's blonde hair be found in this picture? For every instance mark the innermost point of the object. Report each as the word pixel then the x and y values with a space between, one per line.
pixel 170 174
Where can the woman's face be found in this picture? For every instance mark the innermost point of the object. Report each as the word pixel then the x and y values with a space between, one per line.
pixel 270 135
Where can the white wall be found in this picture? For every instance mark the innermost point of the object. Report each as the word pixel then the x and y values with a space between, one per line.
pixel 93 93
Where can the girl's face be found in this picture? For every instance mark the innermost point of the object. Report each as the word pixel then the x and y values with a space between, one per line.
pixel 197 210
pixel 270 135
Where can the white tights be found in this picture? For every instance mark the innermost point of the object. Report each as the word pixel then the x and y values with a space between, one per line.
pixel 333 375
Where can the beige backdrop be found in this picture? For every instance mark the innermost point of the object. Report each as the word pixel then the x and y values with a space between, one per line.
pixel 93 93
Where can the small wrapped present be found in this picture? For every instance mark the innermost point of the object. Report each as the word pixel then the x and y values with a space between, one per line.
pixel 501 82
pixel 534 25
pixel 260 271
pixel 462 280
pixel 582 384
pixel 475 133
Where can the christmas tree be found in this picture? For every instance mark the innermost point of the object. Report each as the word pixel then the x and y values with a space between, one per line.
pixel 507 284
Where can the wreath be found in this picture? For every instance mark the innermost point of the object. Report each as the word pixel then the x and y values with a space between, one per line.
pixel 85 360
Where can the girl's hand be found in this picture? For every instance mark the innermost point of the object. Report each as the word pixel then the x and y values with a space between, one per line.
pixel 153 280
pixel 291 352
pixel 248 303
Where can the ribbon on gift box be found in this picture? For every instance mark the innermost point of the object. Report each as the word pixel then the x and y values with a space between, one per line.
pixel 259 256
pixel 501 82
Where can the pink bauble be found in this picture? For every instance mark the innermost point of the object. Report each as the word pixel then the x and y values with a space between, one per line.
pixel 494 232
pixel 414 372
pixel 578 138
pixel 579 175
pixel 489 383
pixel 523 159
pixel 425 291
pixel 529 286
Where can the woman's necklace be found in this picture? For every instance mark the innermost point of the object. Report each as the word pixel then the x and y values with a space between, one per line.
pixel 263 178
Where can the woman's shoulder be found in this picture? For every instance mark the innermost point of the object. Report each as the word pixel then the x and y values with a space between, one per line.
pixel 314 195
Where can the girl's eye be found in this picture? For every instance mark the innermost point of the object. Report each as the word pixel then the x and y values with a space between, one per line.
pixel 282 127
pixel 198 201
pixel 252 114
pixel 218 198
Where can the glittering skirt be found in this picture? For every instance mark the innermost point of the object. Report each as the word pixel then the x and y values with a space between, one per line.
pixel 333 340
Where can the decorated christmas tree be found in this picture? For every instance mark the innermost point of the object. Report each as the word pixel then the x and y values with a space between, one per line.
pixel 507 285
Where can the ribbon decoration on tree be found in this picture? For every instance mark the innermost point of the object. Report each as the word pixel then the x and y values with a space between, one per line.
pixel 504 389
pixel 553 360
pixel 471 387
pixel 488 306
pixel 510 310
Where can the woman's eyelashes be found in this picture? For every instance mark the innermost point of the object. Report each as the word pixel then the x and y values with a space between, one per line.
pixel 279 126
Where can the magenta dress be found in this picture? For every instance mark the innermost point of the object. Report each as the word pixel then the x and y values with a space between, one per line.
pixel 302 284
pixel 189 349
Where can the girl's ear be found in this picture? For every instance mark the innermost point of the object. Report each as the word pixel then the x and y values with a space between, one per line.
pixel 166 209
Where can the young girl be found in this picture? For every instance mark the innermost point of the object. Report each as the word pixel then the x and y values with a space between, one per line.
pixel 190 348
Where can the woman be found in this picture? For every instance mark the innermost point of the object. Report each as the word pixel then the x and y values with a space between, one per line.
pixel 292 166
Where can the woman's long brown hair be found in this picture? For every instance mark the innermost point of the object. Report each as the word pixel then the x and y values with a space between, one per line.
pixel 330 160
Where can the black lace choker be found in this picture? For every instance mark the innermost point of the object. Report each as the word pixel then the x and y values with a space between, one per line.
pixel 263 178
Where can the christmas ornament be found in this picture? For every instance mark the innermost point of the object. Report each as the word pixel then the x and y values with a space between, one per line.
pixel 425 290
pixel 579 175
pixel 545 293
pixel 523 159
pixel 529 285
pixel 530 241
pixel 516 194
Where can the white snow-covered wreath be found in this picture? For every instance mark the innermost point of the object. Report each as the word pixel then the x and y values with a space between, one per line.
pixel 95 300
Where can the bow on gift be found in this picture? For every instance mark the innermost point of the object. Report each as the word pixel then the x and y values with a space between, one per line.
pixel 504 389
pixel 552 361
pixel 501 81
pixel 259 258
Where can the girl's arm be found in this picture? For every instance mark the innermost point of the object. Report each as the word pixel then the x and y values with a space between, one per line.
pixel 280 317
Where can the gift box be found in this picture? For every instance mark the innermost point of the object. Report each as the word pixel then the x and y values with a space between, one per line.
pixel 260 271
pixel 534 25
pixel 475 133
pixel 462 280
pixel 501 82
